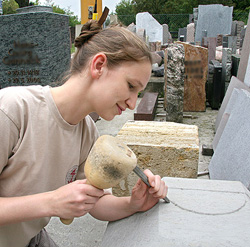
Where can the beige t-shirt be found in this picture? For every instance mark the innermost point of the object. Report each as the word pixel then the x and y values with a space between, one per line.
pixel 39 152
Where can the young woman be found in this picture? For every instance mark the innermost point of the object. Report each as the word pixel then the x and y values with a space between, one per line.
pixel 46 135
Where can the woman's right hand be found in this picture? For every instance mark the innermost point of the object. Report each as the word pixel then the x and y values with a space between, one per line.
pixel 75 199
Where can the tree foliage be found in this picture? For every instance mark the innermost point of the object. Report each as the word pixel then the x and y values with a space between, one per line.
pixel 130 8
pixel 125 12
pixel 10 6
pixel 73 19
pixel 175 6
pixel 22 3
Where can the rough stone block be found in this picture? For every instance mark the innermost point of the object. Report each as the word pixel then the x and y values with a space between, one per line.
pixel 166 148
pixel 174 82
pixel 201 213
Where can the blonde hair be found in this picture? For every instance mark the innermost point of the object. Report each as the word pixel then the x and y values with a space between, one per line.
pixel 117 43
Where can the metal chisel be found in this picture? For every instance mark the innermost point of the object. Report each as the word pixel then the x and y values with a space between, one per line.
pixel 144 178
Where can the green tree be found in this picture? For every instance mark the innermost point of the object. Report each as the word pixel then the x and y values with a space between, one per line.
pixel 125 12
pixel 9 7
pixel 153 7
pixel 73 19
pixel 22 3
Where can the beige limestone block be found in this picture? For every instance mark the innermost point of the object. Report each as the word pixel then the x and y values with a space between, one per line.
pixel 166 148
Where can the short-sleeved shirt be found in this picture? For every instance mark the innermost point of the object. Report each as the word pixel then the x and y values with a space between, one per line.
pixel 39 152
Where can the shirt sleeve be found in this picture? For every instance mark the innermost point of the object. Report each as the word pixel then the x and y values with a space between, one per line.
pixel 9 136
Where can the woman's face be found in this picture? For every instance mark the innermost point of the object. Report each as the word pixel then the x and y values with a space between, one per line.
pixel 119 87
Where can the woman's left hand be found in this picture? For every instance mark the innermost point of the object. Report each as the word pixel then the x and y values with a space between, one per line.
pixel 143 198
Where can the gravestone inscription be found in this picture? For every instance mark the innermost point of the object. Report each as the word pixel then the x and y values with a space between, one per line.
pixel 36 50
pixel 195 76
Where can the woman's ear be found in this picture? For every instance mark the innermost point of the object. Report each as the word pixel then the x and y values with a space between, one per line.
pixel 98 63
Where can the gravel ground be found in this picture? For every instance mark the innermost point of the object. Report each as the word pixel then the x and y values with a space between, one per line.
pixel 87 231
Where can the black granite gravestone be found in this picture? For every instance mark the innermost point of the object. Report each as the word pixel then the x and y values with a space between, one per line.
pixel 34 47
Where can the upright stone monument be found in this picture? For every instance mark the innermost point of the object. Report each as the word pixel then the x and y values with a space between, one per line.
pixel 174 82
pixel 190 32
pixel 151 25
pixel 215 19
pixel 231 159
pixel 244 65
pixel 34 47
pixel 226 67
pixel 196 68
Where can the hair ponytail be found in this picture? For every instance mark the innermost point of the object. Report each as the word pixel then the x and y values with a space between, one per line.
pixel 88 30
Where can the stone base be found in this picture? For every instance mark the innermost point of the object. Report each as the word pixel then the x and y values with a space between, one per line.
pixel 166 148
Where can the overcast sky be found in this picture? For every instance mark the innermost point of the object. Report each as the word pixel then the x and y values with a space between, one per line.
pixel 75 5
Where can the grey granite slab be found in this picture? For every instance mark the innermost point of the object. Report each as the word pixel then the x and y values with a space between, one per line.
pixel 244 60
pixel 34 48
pixel 215 19
pixel 201 213
pixel 234 83
pixel 231 159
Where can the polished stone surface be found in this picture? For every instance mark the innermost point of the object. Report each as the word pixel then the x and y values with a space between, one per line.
pixel 215 19
pixel 196 69
pixel 34 48
pixel 231 159
pixel 244 60
pixel 201 213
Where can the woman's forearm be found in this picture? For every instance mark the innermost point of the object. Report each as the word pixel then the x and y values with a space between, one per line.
pixel 111 208
pixel 24 208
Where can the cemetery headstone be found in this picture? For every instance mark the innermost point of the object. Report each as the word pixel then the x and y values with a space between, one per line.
pixel 195 15
pixel 34 48
pixel 182 33
pixel 214 86
pixel 219 39
pixel 195 77
pixel 211 45
pixel 235 64
pixel 167 37
pixel 190 32
pixel 234 83
pixel 226 69
pixel 231 159
pixel 151 25
pixel 215 19
pixel 174 82
pixel 226 114
pixel 230 42
pixel 244 60
pixel 141 33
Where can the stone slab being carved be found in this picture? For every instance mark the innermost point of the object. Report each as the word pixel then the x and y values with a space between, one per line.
pixel 166 148
pixel 201 213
